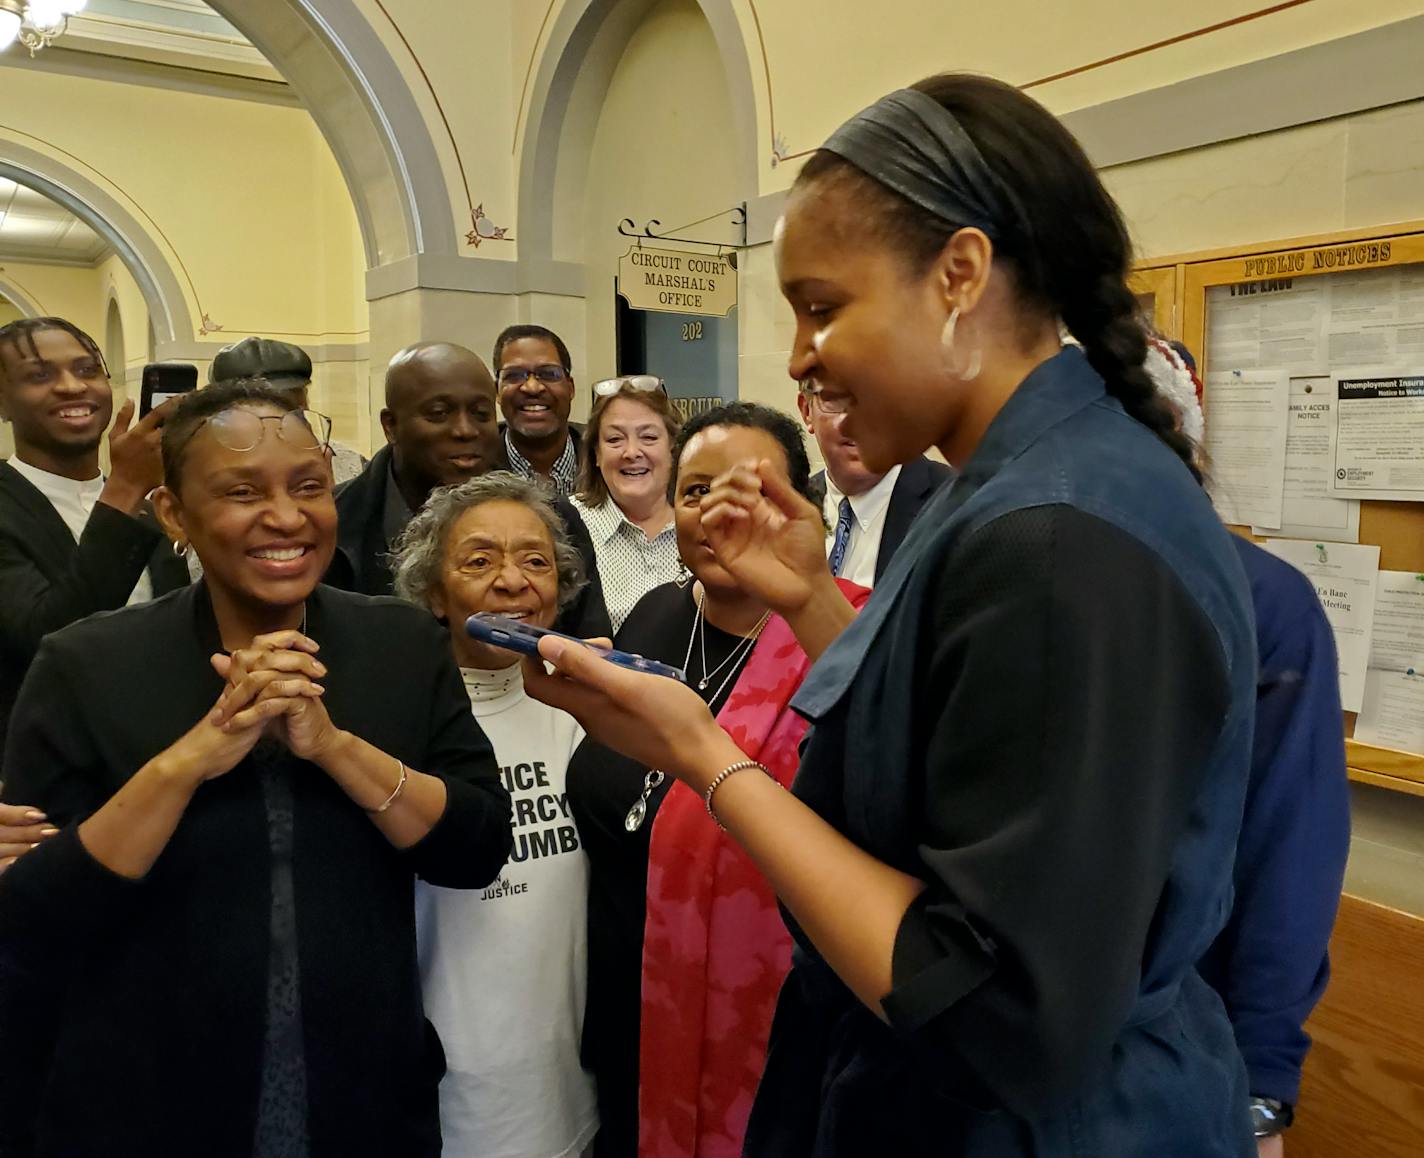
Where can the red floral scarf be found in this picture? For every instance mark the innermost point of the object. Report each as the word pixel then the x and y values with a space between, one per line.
pixel 715 949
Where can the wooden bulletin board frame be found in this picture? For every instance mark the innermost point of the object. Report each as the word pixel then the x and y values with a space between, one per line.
pixel 1397 528
pixel 1161 283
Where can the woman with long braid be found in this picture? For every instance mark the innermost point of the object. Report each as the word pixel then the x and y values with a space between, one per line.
pixel 1011 836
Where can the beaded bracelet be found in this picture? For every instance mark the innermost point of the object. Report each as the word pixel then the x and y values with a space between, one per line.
pixel 739 766
pixel 394 796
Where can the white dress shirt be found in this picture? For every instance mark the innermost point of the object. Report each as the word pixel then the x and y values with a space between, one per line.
pixel 629 563
pixel 74 502
pixel 867 526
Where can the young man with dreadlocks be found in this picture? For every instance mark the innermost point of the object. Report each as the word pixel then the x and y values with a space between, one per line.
pixel 72 541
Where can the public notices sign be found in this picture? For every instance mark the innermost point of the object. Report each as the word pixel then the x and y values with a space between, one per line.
pixel 673 281
pixel 1377 445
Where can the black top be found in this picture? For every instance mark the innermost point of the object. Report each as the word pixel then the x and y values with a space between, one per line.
pixel 135 1013
pixel 1029 961
pixel 603 786
pixel 363 544
pixel 47 580
pixel 1044 714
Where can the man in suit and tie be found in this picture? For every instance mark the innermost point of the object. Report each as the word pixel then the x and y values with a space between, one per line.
pixel 72 541
pixel 867 514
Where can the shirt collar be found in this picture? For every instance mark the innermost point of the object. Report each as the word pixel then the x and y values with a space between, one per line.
pixel 57 486
pixel 869 506
pixel 565 468
pixel 1055 389
pixel 606 520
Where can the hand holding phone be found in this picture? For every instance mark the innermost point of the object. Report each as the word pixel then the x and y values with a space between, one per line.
pixel 165 380
pixel 512 635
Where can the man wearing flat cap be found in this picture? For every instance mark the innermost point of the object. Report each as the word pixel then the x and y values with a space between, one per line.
pixel 289 369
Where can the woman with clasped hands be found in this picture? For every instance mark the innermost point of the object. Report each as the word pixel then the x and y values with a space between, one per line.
pixel 248 777
pixel 1010 839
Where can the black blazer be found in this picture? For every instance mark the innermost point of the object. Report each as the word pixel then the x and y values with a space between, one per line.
pixel 150 1039
pixel 47 580
pixel 360 563
pixel 917 483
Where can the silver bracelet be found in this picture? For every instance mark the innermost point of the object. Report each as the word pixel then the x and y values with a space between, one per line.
pixel 739 766
pixel 394 796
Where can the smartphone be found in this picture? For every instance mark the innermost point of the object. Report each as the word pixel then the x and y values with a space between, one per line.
pixel 524 638
pixel 165 380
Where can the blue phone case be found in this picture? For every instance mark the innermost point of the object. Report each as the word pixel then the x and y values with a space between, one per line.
pixel 511 635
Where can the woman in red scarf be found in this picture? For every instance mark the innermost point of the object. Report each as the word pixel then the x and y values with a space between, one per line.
pixel 678 1021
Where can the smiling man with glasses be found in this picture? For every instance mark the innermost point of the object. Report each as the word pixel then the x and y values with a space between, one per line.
pixel 536 392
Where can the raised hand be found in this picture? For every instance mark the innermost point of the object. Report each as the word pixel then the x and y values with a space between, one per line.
pixel 768 537
pixel 136 466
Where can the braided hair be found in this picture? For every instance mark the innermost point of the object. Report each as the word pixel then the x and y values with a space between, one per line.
pixel 19 336
pixel 1068 258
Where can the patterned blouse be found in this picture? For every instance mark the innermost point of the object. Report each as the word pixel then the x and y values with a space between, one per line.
pixel 629 563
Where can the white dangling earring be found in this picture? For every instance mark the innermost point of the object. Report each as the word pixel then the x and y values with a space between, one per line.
pixel 180 549
pixel 969 371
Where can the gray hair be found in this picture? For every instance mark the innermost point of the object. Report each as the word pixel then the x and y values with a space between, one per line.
pixel 418 554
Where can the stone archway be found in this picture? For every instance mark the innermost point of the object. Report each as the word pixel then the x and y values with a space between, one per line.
pixel 582 52
pixel 348 82
pixel 19 299
pixel 103 211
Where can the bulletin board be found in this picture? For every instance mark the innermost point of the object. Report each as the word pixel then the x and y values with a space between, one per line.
pixel 1156 290
pixel 1185 289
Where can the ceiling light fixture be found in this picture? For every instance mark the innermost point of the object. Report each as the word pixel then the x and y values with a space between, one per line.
pixel 35 24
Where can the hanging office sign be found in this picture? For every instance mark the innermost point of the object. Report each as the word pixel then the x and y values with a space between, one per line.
pixel 674 281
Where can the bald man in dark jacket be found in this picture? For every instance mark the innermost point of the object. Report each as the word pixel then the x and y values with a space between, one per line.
pixel 441 426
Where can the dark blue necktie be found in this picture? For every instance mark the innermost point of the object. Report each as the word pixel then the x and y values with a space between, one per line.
pixel 842 539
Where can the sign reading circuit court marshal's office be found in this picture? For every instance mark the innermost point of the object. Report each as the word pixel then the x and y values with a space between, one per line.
pixel 672 281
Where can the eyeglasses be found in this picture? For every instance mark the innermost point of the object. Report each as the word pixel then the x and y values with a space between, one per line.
pixel 638 383
pixel 518 375
pixel 826 404
pixel 241 430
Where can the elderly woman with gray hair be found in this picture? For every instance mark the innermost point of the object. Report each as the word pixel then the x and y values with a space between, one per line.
pixel 504 969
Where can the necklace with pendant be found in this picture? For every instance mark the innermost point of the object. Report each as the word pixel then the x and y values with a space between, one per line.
pixel 653 779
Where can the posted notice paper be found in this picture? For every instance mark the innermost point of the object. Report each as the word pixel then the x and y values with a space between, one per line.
pixel 1393 714
pixel 1309 510
pixel 1246 444
pixel 1393 711
pixel 1345 576
pixel 1377 443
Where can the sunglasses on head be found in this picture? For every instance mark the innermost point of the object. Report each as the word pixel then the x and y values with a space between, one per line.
pixel 241 430
pixel 518 375
pixel 638 383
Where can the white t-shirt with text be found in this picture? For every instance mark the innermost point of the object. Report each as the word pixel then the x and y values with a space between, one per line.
pixel 504 968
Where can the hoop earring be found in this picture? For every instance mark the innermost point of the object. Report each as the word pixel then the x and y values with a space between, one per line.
pixel 965 370
pixel 180 549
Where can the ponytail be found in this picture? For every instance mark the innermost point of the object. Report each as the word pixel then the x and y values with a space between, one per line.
pixel 1107 321
pixel 1056 231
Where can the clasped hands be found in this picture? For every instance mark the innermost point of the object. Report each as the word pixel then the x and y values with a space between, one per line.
pixel 272 688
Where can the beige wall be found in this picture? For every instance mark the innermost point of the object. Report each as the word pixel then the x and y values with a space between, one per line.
pixel 1361 170
pixel 243 199
pixel 660 151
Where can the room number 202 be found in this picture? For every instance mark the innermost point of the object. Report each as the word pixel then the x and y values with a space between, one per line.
pixel 692 331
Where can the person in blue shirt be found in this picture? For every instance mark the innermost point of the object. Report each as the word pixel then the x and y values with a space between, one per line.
pixel 1271 962
pixel 1011 836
